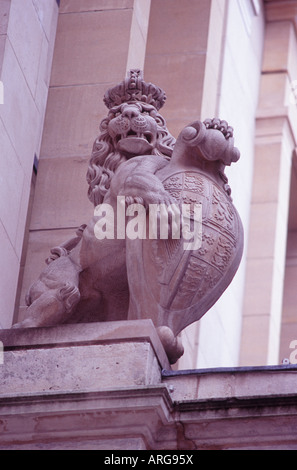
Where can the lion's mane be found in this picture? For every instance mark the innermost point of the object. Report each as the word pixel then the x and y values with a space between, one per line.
pixel 105 159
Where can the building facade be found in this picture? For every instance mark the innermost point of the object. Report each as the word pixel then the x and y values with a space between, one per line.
pixel 72 386
pixel 234 59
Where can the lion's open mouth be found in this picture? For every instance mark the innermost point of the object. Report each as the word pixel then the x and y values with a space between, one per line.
pixel 148 136
pixel 135 143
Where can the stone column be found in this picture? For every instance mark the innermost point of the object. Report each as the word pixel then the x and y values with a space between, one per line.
pixel 183 51
pixel 27 33
pixel 4 17
pixel 276 137
pixel 288 344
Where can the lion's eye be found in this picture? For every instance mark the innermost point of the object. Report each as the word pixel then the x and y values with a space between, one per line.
pixel 159 121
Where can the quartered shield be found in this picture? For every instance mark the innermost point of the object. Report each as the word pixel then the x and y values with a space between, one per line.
pixel 175 286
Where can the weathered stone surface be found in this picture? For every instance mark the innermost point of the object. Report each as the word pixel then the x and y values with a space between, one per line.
pixel 81 357
pixel 170 266
pixel 224 383
pixel 125 407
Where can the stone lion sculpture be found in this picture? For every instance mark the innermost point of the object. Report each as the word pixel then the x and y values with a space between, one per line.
pixel 103 274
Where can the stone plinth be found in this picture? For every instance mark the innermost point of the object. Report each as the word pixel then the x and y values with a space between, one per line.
pixel 101 381
pixel 109 386
pixel 81 357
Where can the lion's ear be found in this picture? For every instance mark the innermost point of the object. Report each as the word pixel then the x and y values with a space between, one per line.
pixel 104 124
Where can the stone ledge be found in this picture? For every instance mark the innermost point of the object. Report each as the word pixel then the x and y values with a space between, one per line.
pixel 245 423
pixel 83 334
pixel 122 418
pixel 80 333
pixel 146 418
pixel 100 386
pixel 234 382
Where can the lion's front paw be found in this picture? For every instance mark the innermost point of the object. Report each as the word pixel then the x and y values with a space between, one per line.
pixel 150 198
pixel 129 200
pixel 163 211
pixel 165 220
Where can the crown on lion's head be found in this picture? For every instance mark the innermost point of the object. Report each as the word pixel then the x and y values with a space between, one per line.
pixel 132 118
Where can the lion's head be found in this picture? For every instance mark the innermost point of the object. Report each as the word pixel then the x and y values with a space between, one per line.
pixel 130 129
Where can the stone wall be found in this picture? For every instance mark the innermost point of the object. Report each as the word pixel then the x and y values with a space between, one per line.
pixel 276 139
pixel 237 88
pixel 27 33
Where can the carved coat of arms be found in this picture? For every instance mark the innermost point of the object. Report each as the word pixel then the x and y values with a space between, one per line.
pixel 172 277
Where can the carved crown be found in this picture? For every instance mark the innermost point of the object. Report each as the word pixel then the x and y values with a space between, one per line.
pixel 134 88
